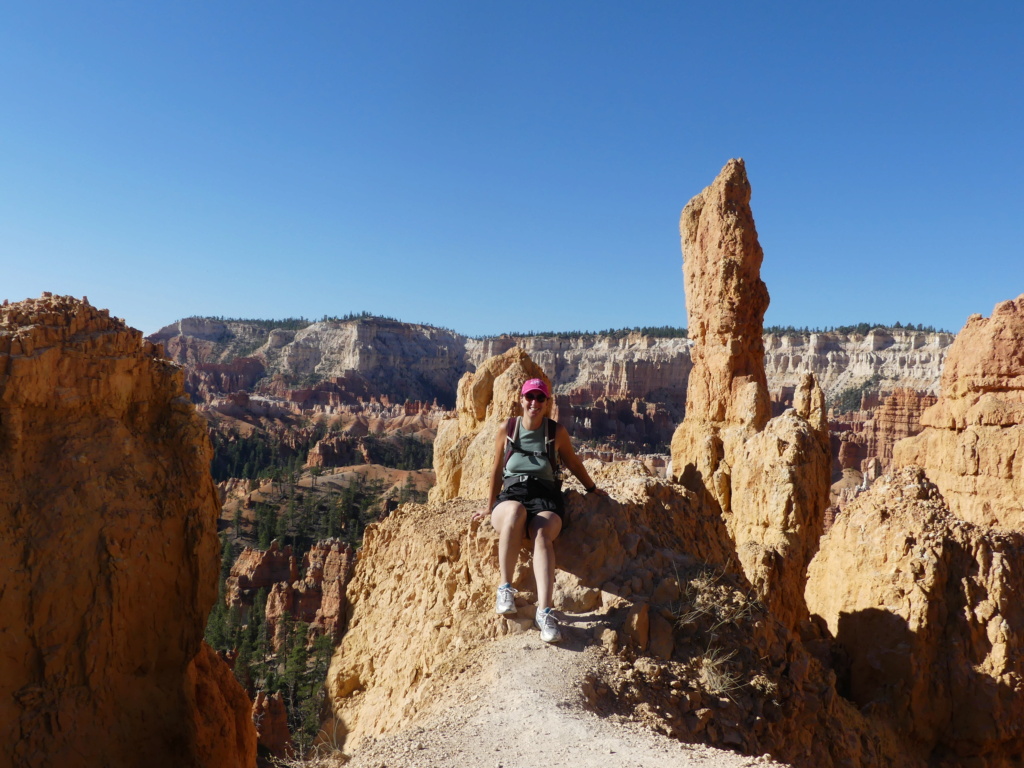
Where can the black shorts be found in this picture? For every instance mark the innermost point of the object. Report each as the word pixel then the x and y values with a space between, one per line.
pixel 536 495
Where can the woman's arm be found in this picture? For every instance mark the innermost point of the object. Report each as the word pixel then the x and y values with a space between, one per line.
pixel 567 455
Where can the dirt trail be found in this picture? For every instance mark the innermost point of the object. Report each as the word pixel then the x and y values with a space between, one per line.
pixel 517 704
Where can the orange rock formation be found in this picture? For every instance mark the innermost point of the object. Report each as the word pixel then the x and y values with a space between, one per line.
pixel 627 570
pixel 768 479
pixel 859 437
pixel 973 444
pixel 107 516
pixel 271 719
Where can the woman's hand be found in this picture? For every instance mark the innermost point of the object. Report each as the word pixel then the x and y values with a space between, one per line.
pixel 480 514
pixel 599 492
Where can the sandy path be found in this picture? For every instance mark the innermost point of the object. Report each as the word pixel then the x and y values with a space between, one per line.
pixel 517 705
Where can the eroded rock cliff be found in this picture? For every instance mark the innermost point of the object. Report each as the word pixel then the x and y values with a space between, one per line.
pixel 972 446
pixel 108 530
pixel 768 479
pixel 861 438
pixel 895 358
pixel 926 608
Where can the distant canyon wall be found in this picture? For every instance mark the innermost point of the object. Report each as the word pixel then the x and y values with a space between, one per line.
pixel 412 361
pixel 628 389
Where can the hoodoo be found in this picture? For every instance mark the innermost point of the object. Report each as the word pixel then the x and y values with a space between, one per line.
pixel 768 478
pixel 108 538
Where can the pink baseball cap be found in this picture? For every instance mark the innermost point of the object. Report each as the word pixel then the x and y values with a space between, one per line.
pixel 535 385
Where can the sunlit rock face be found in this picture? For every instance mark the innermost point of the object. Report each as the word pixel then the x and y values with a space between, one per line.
pixel 972 446
pixel 769 478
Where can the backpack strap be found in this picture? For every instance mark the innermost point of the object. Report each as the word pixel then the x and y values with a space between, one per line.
pixel 511 435
pixel 549 445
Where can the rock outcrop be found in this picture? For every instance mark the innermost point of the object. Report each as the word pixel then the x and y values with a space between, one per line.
pixel 926 607
pixel 271 719
pixel 108 531
pixel 316 597
pixel 642 578
pixel 768 479
pixel 464 448
pixel 972 446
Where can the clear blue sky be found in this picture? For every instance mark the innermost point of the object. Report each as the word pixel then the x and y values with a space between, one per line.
pixel 508 166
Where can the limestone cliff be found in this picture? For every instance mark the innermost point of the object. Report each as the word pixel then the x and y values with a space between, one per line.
pixel 926 607
pixel 767 478
pixel 973 444
pixel 108 531
pixel 417 362
pixel 464 448
pixel 897 358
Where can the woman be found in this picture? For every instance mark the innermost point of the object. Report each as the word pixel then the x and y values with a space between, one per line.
pixel 526 499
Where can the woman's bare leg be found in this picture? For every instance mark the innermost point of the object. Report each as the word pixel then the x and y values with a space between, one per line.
pixel 544 529
pixel 509 520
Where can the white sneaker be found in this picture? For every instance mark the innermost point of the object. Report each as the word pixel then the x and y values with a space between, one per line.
pixel 506 604
pixel 548 626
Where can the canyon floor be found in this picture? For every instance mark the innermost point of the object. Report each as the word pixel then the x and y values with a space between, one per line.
pixel 517 703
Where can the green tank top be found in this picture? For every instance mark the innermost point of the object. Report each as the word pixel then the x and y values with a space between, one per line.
pixel 521 464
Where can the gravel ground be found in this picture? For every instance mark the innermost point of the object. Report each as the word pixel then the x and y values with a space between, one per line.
pixel 517 705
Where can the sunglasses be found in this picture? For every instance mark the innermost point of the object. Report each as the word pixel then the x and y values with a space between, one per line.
pixel 540 398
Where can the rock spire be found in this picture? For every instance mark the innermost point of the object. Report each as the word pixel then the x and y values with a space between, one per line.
pixel 769 479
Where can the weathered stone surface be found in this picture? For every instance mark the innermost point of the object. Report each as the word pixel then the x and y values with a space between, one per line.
pixel 464 448
pixel 621 565
pixel 768 479
pixel 927 608
pixel 973 444
pixel 108 536
pixel 316 596
pixel 895 358
pixel 725 303
pixel 255 569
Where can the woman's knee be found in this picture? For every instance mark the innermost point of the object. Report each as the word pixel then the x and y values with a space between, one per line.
pixel 509 514
pixel 546 528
